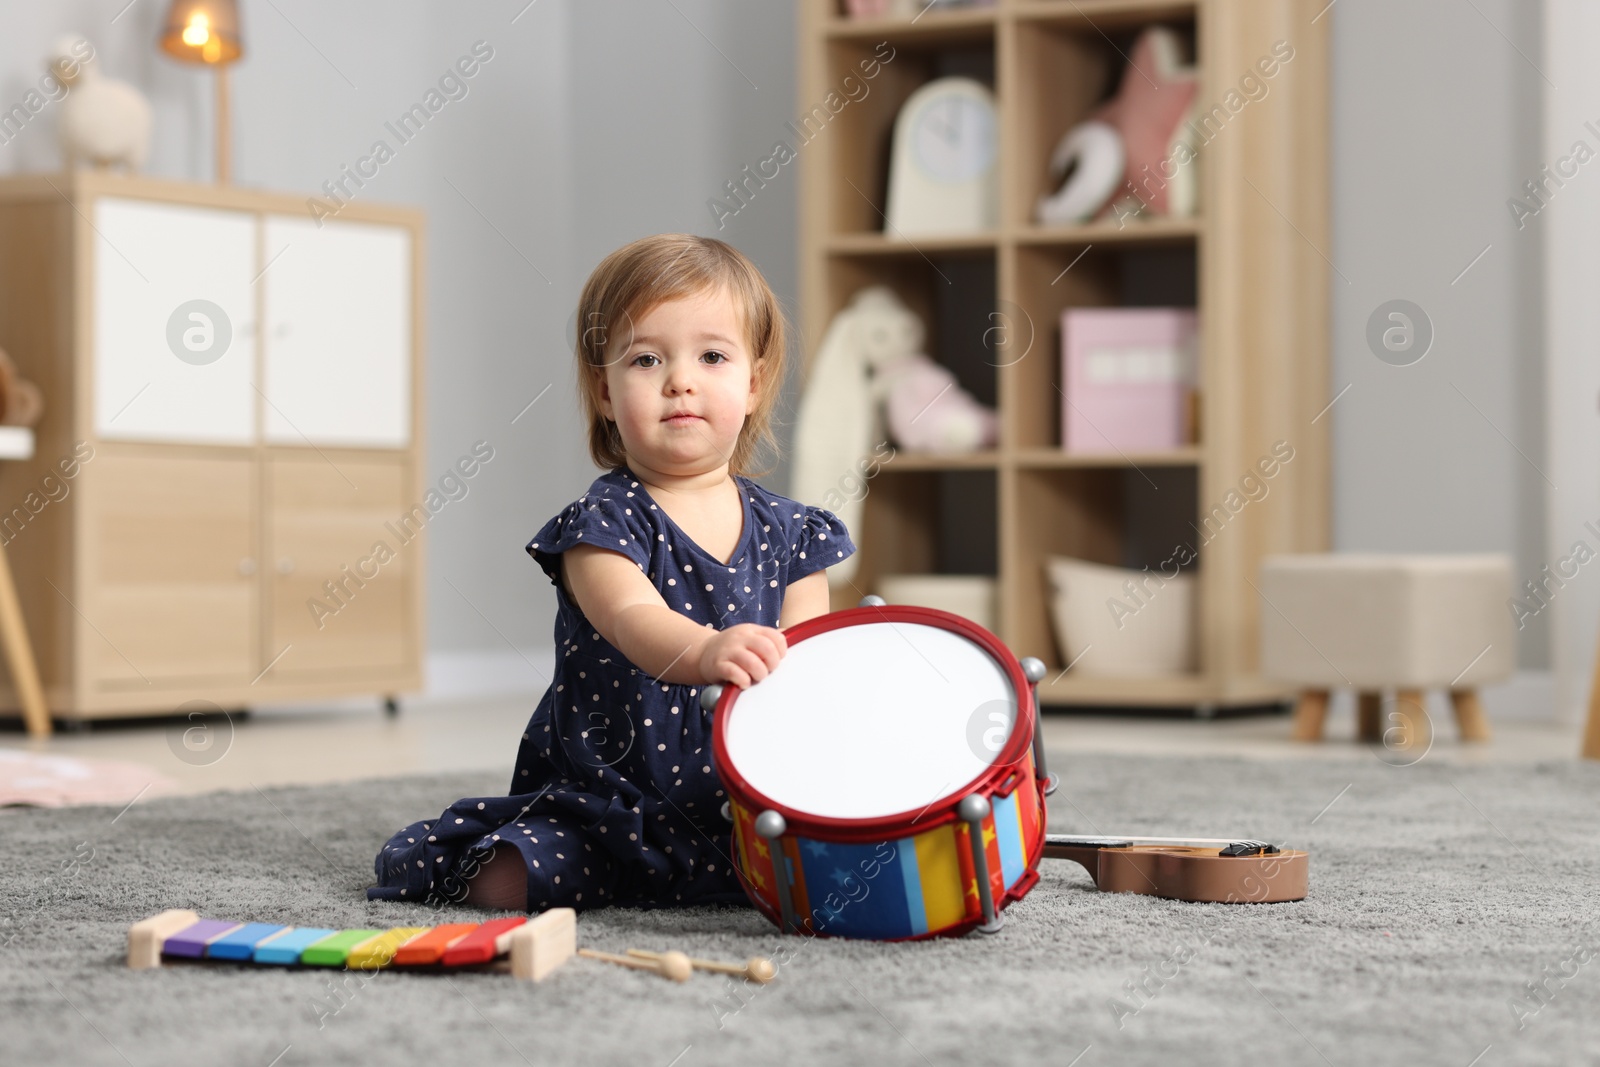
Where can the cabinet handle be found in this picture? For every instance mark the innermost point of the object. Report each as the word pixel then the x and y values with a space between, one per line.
pixel 285 565
pixel 247 567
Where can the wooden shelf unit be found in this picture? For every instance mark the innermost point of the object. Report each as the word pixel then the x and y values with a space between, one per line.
pixel 1251 261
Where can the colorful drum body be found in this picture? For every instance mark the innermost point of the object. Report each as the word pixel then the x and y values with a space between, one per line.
pixel 888 744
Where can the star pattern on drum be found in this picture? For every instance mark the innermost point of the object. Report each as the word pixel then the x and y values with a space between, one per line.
pixel 615 769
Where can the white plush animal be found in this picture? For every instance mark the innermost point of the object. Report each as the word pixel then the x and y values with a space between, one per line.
pixel 928 411
pixel 836 421
pixel 104 122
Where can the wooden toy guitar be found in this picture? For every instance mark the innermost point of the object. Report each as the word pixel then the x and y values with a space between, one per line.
pixel 1216 871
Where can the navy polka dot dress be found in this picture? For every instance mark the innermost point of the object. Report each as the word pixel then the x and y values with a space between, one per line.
pixel 614 798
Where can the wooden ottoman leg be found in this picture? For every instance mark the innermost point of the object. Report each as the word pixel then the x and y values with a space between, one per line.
pixel 1369 716
pixel 1309 714
pixel 1413 728
pixel 1470 717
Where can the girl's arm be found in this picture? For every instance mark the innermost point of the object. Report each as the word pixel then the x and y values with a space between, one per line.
pixel 805 599
pixel 626 608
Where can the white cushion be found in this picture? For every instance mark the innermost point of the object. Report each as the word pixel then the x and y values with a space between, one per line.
pixel 1374 621
pixel 972 596
pixel 1101 629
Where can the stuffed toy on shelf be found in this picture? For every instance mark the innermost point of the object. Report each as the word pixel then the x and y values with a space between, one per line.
pixel 1135 153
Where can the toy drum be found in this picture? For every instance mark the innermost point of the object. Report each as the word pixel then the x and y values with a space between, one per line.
pixel 885 781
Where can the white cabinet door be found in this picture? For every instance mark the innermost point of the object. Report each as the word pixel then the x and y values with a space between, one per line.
pixel 338 340
pixel 174 322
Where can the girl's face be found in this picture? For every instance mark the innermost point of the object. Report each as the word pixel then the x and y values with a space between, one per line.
pixel 679 392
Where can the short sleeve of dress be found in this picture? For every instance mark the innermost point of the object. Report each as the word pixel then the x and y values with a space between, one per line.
pixel 598 519
pixel 821 541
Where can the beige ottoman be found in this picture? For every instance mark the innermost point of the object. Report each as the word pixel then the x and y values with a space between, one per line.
pixel 1377 622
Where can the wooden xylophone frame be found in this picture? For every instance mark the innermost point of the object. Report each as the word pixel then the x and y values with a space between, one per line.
pixel 530 949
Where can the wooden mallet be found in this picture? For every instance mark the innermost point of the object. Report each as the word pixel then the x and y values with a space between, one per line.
pixel 673 965
pixel 755 969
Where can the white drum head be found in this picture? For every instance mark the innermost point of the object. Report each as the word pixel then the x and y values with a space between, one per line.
pixel 870 720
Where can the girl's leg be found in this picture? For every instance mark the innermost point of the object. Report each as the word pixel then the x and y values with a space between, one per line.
pixel 501 881
pixel 550 865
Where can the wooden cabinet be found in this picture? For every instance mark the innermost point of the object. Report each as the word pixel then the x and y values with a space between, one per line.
pixel 1251 261
pixel 171 570
pixel 237 387
pixel 342 557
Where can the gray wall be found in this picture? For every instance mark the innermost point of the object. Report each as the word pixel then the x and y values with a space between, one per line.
pixel 1436 122
pixel 598 122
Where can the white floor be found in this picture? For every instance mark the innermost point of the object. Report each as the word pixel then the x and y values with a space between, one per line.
pixel 304 745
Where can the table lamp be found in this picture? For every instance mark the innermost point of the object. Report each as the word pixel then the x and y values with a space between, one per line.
pixel 207 32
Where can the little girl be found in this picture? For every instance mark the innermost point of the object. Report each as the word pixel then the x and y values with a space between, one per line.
pixel 672 572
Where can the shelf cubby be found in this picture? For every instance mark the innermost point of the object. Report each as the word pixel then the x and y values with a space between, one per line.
pixel 856 141
pixel 1051 278
pixel 921 520
pixel 1128 516
pixel 1074 63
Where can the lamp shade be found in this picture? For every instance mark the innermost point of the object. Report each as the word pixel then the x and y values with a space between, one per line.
pixel 202 31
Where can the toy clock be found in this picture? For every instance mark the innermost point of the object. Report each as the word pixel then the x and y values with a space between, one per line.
pixel 942 166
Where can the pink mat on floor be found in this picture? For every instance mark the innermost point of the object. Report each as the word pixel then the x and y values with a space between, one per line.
pixel 39 780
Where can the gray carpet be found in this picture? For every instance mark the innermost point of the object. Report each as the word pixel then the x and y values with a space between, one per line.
pixel 1437 894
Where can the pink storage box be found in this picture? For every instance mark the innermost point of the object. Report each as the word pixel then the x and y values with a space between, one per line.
pixel 1128 375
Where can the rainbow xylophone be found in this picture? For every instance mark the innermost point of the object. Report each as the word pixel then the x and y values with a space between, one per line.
pixel 534 947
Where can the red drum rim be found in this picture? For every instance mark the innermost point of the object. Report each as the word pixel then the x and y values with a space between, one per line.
pixel 1007 763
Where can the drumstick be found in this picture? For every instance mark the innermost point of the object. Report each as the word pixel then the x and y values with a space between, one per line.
pixel 673 965
pixel 756 968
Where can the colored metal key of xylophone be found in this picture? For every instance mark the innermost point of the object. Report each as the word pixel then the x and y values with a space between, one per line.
pixel 534 947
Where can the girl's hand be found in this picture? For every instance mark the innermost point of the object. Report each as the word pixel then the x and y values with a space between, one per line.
pixel 742 654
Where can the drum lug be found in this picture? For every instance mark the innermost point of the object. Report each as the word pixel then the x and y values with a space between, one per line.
pixel 972 810
pixel 872 601
pixel 727 811
pixel 771 826
pixel 1034 670
pixel 709 697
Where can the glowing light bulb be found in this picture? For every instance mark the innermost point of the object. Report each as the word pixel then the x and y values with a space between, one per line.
pixel 198 31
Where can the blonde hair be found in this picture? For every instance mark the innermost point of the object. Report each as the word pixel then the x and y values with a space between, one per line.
pixel 637 277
